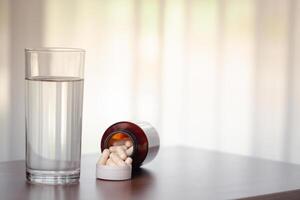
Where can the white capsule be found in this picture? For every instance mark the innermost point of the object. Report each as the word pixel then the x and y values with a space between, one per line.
pixel 110 162
pixel 115 157
pixel 128 143
pixel 119 143
pixel 128 161
pixel 104 157
pixel 114 148
pixel 129 151
pixel 121 152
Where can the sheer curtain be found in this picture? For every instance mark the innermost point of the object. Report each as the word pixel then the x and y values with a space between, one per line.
pixel 215 74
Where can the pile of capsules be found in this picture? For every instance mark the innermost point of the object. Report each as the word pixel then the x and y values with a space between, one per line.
pixel 119 154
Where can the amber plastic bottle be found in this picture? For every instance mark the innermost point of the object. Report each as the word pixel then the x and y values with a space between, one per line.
pixel 143 135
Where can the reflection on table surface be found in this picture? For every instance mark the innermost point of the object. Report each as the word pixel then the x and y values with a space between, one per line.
pixel 176 173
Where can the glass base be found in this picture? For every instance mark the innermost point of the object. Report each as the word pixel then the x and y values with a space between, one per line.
pixel 52 177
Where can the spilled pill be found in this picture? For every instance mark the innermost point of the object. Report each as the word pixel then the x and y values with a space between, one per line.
pixel 121 152
pixel 114 148
pixel 129 151
pixel 116 159
pixel 119 143
pixel 110 162
pixel 104 157
pixel 128 143
pixel 128 161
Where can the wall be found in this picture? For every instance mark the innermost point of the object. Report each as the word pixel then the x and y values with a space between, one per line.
pixel 216 74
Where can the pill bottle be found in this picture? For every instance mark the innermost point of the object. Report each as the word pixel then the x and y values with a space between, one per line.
pixel 144 138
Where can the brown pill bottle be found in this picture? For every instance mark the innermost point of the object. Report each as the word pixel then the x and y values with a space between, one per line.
pixel 143 135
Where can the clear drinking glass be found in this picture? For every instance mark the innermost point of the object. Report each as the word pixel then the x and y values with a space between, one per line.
pixel 54 95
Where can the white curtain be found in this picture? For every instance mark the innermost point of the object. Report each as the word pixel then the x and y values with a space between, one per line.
pixel 216 74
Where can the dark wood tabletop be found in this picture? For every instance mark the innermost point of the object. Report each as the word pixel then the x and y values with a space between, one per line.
pixel 176 173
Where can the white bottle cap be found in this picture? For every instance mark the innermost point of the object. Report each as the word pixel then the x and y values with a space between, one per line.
pixel 116 173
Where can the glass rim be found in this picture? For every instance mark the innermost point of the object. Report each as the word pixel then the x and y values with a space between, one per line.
pixel 54 49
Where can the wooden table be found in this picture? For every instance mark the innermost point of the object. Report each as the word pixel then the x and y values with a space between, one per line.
pixel 177 173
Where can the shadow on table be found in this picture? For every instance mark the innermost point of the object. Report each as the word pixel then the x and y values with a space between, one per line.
pixel 138 187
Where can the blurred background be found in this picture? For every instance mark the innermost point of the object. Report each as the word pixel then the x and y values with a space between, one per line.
pixel 214 74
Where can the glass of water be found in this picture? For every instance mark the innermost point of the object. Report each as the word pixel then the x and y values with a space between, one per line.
pixel 54 95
